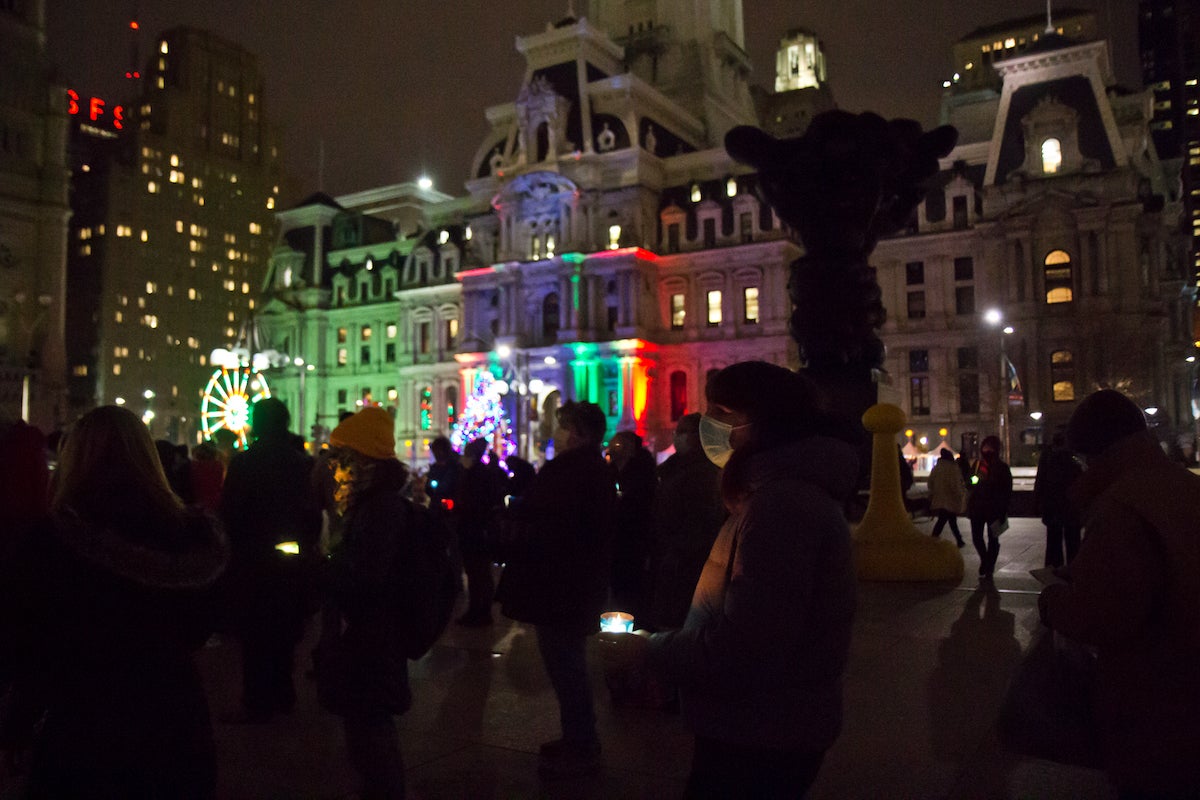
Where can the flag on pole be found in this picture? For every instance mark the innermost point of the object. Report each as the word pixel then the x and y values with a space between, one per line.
pixel 1016 393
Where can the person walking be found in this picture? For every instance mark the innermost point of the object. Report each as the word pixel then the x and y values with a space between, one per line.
pixel 688 513
pixel 556 577
pixel 362 671
pixel 947 494
pixel 1056 473
pixel 987 504
pixel 1133 592
pixel 273 517
pixel 106 601
pixel 759 660
pixel 481 489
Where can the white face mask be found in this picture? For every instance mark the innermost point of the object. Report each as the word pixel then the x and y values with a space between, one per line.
pixel 714 438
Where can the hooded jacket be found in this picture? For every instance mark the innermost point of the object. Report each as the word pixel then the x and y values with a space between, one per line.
pixel 1134 594
pixel 98 627
pixel 759 660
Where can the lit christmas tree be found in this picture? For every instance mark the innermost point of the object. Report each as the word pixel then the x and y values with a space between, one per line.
pixel 483 417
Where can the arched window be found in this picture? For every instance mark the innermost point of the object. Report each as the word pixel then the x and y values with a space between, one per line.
pixel 451 406
pixel 1062 375
pixel 550 316
pixel 679 395
pixel 1051 155
pixel 1059 278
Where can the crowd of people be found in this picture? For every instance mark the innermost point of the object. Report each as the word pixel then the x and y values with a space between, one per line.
pixel 733 556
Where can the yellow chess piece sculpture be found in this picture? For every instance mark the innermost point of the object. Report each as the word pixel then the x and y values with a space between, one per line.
pixel 887 545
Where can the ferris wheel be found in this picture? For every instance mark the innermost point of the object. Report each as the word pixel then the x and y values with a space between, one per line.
pixel 227 399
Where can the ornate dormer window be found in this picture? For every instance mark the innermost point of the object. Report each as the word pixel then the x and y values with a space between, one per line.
pixel 542 121
pixel 1051 132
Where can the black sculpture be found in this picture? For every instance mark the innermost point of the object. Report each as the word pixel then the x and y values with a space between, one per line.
pixel 850 179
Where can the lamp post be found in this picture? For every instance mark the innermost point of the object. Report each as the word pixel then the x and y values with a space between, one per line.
pixel 995 319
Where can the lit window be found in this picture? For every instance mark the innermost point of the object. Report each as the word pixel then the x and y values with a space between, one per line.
pixel 1058 275
pixel 145 237
pixel 731 187
pixel 255 227
pixel 342 333
pixel 365 333
pixel 1062 376
pixel 116 369
pixel 614 237
pixel 1051 156
pixel 152 187
pixel 341 357
pixel 162 48
pixel 714 308
pixel 174 160
pixel 696 193
pixel 151 288
pixel 678 312
pixel 750 305
pixel 391 330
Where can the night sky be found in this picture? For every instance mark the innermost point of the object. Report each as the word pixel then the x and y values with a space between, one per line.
pixel 397 88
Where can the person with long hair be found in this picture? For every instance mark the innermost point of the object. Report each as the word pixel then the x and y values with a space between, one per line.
pixel 760 657
pixel 105 602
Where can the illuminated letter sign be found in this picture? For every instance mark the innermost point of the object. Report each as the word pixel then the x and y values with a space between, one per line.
pixel 96 110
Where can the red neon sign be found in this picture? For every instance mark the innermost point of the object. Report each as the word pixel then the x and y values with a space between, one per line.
pixel 96 110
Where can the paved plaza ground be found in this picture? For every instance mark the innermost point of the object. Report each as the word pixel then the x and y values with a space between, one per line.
pixel 928 668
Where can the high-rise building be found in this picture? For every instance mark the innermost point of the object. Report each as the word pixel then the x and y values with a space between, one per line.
pixel 1169 42
pixel 174 224
pixel 33 221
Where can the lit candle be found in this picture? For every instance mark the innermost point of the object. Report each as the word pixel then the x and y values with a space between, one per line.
pixel 616 622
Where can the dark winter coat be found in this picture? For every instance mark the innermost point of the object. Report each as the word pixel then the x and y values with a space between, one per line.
pixel 1134 594
pixel 370 675
pixel 559 575
pixel 759 660
pixel 688 513
pixel 988 498
pixel 98 628
pixel 480 493
pixel 1057 471
pixel 268 498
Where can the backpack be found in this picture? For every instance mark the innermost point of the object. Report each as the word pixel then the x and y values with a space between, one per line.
pixel 429 584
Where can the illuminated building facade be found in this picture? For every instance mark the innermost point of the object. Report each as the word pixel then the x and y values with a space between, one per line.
pixel 607 249
pixel 33 222
pixel 174 199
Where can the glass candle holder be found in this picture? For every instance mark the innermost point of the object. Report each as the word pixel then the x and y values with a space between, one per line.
pixel 616 622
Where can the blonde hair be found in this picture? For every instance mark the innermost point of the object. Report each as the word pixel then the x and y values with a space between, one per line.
pixel 107 459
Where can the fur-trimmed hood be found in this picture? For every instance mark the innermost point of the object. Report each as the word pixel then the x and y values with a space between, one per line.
pixel 186 555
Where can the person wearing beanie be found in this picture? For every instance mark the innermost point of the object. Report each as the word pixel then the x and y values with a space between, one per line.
pixel 361 668
pixel 267 500
pixel 1133 593
pixel 987 504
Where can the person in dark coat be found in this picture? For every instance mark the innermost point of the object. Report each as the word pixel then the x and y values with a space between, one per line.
pixel 688 513
pixel 441 481
pixel 273 518
pixel 1057 471
pixel 481 489
pixel 106 601
pixel 558 579
pixel 1133 592
pixel 633 467
pixel 362 672
pixel 759 660
pixel 987 503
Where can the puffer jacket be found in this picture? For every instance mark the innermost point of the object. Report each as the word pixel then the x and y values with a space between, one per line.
pixel 759 660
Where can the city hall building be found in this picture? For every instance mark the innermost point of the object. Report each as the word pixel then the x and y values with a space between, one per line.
pixel 608 249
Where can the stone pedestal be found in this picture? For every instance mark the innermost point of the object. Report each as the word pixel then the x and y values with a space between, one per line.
pixel 887 545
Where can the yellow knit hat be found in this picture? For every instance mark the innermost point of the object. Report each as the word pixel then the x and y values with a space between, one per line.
pixel 369 432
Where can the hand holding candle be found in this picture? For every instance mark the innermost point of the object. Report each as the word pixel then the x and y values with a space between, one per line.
pixel 616 622
pixel 623 651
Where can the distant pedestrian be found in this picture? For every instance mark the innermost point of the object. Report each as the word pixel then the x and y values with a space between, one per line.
pixel 947 495
pixel 273 518
pixel 1057 471
pixel 442 478
pixel 364 675
pixel 106 602
pixel 688 513
pixel 557 576
pixel 480 495
pixel 759 660
pixel 633 470
pixel 1133 593
pixel 987 504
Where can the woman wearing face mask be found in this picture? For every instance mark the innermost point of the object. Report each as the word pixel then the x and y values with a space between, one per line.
pixel 760 657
